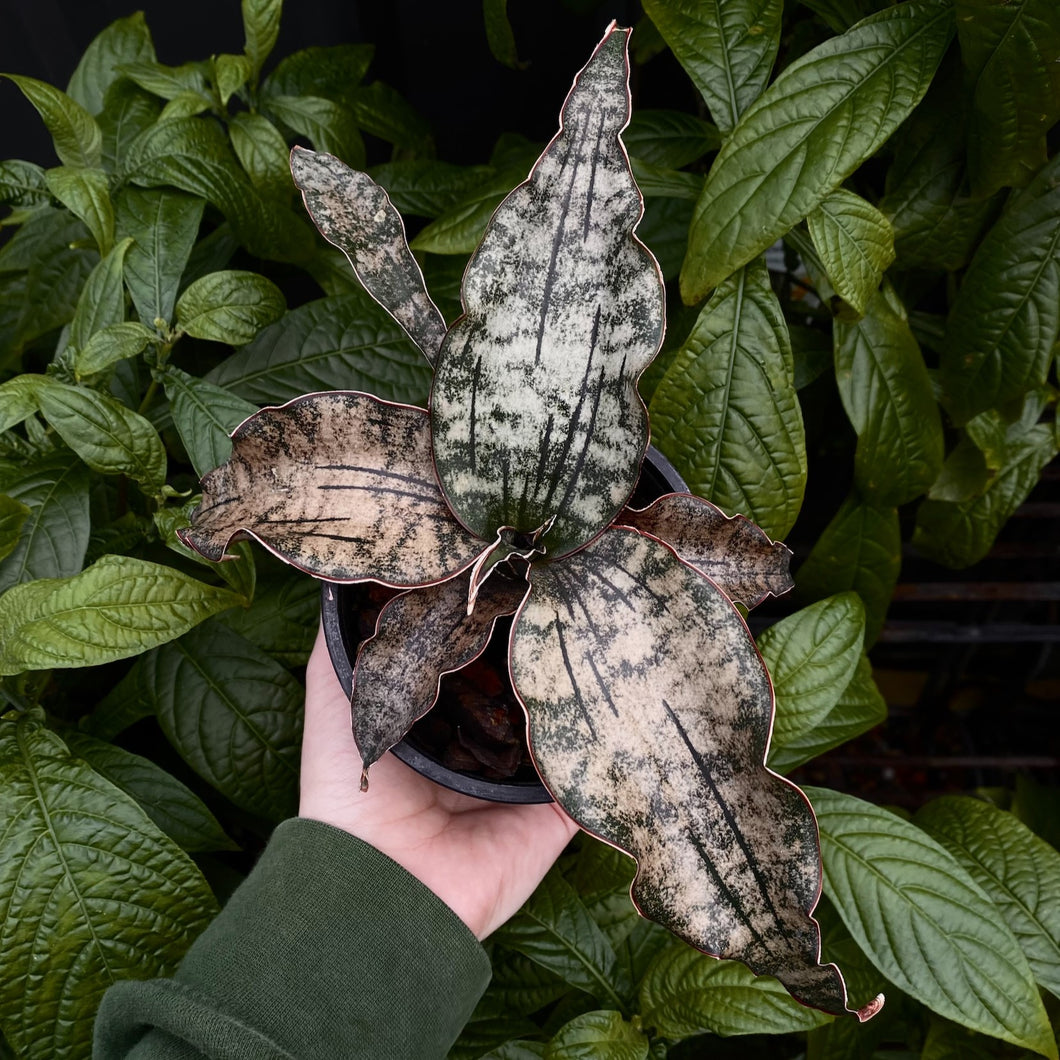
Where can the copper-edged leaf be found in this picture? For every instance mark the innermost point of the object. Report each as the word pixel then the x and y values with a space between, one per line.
pixel 420 636
pixel 535 411
pixel 649 713
pixel 356 215
pixel 338 484
pixel 737 556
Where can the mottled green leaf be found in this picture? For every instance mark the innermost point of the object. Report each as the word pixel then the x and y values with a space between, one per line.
pixel 261 27
pixel 328 125
pixel 726 412
pixel 22 184
pixel 342 341
pixel 262 152
pixel 125 40
pixel 821 118
pixel 726 48
pixel 167 82
pixel 229 306
pixel 1019 872
pixel 120 606
pixel 860 549
pixel 355 215
pixel 102 299
pixel 92 893
pixel 669 138
pixel 925 923
pixel 1005 321
pixel 649 713
pixel 13 516
pixel 886 391
pixel 75 134
pixel 602 1035
pixel 114 343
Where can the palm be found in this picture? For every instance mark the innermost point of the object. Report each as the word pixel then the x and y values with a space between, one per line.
pixel 483 859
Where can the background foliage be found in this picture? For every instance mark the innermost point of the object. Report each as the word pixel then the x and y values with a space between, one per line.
pixel 862 200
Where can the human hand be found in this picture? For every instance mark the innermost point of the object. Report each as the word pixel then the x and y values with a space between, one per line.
pixel 483 859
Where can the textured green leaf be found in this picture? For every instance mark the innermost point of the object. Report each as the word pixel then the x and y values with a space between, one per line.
pixel 669 138
pixel 959 534
pixel 234 715
pixel 664 231
pixel 261 27
pixel 340 485
pixel 22 184
pixel 355 215
pixel 85 193
pixel 460 229
pixel 185 105
pixel 262 152
pixel 649 712
pixel 811 656
pixel 821 118
pixel 91 892
pixel 177 810
pixel 125 40
pixel 127 112
pixel 1011 54
pixel 686 993
pixel 328 125
pixel 129 701
pixel 886 391
pixel 109 437
pixel 860 549
pixel 74 132
pixel 427 187
pixel 658 183
pixel 1005 320
pixel 498 1036
pixel 13 516
pixel 19 399
pixel 1016 869
pixel 229 306
pixel 102 299
pixel 205 416
pixel 925 923
pixel 168 82
pixel 342 341
pixel 115 343
pixel 330 72
pixel 602 1035
pixel 726 412
pixel 726 48
pixel 53 539
pixel 230 74
pixel 381 111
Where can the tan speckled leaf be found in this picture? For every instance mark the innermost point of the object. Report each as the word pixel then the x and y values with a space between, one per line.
pixel 649 714
pixel 340 485
pixel 420 636
pixel 535 412
pixel 356 215
pixel 734 553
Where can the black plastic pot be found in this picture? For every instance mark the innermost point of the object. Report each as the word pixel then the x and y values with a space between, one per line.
pixel 348 616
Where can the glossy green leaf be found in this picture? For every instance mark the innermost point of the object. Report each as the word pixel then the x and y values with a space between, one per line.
pixel 262 152
pixel 19 399
pixel 230 74
pixel 128 111
pixel 860 549
pixel 129 701
pixel 125 40
pixel 342 341
pixel 55 285
pixel 261 27
pixel 109 437
pixel 535 416
pixel 821 118
pixel 85 193
pixel 22 184
pixel 1005 320
pixel 185 105
pixel 340 485
pixel 727 49
pixel 354 214
pixel 886 391
pixel 669 138
pixel 74 132
pixel 657 183
pixel 497 1038
pixel 328 125
pixel 234 715
pixel 460 229
pixel 177 810
pixel 167 82
pixel 427 187
pixel 119 606
pixel 925 923
pixel 602 1035
pixel 205 416
pixel 649 712
pixel 1016 869
pixel 53 539
pixel 102 299
pixel 686 993
pixel 856 244
pixel 381 111
pixel 13 516
pixel 811 656
pixel 330 72
pixel 726 412
pixel 112 344
pixel 229 306
pixel 518 986
pixel 92 893
pixel 664 231
pixel 1011 55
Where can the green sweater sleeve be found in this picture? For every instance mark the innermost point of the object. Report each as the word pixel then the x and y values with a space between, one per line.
pixel 329 949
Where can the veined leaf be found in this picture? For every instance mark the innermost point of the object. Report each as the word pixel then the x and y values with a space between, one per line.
pixel 230 74
pixel 127 112
pixel 168 82
pixel 887 394
pixel 602 1035
pixel 229 306
pixel 901 896
pixel 734 553
pixel 85 193
pixel 112 344
pixel 727 48
pixel 19 399
pixel 92 893
pixel 355 215
pixel 330 72
pixel 519 986
pixel 102 300
pixel 13 516
pixel 22 184
pixel 856 244
pixel 262 151
pixel 126 40
pixel 1019 872
pixel 460 229
pixel 381 111
pixel 672 139
pixel 1011 56
pixel 1005 320
pixel 185 105
pixel 329 125
pixel 726 412
pixel 340 485
pixel 819 120
pixel 427 187
pixel 649 711
pixel 74 132
pixel 261 27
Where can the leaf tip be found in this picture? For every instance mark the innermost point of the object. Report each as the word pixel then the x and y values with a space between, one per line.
pixel 866 1012
pixel 364 787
